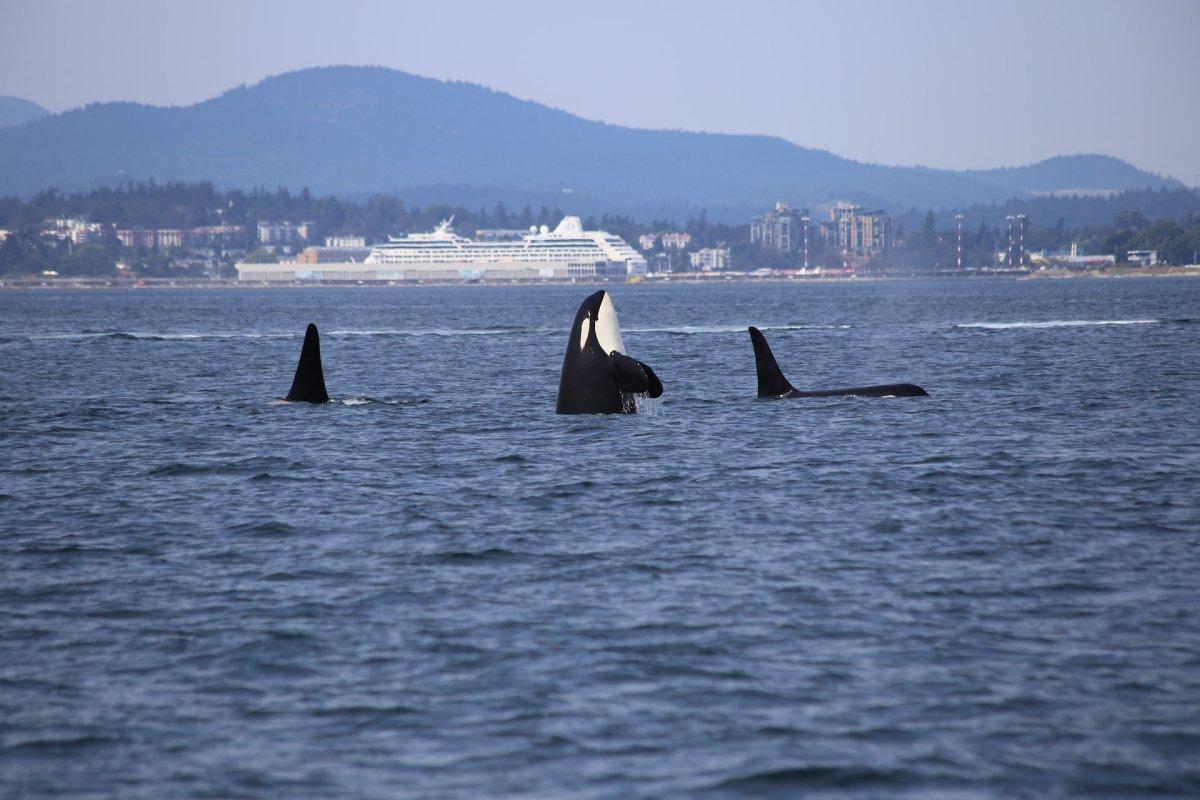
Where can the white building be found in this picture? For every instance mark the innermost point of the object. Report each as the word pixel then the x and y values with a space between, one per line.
pixel 671 240
pixel 345 242
pixel 711 259
pixel 676 241
pixel 72 229
pixel 1143 258
pixel 272 233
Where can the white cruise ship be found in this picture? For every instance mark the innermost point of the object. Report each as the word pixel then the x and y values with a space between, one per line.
pixel 566 252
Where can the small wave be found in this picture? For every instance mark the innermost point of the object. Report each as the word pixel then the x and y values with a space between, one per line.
pixel 61 746
pixel 207 335
pixel 1058 323
pixel 246 466
pixel 272 528
pixel 466 557
pixel 815 777
pixel 359 711
pixel 492 331
pixel 366 401
pixel 146 335
pixel 690 329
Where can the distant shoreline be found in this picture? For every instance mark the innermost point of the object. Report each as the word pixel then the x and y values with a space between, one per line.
pixel 33 284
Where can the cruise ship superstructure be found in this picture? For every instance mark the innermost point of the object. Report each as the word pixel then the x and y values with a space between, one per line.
pixel 567 252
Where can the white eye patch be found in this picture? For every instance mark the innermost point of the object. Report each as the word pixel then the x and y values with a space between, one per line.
pixel 584 330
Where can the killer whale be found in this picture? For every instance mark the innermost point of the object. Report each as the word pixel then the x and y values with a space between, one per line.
pixel 773 385
pixel 597 377
pixel 308 385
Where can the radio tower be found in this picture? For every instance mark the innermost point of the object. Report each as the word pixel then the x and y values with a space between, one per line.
pixel 1022 223
pixel 1008 259
pixel 805 221
pixel 958 218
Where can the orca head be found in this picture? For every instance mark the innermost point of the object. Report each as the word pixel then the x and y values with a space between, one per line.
pixel 597 325
pixel 597 377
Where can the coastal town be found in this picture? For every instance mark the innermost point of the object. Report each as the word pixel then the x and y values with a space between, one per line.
pixel 836 240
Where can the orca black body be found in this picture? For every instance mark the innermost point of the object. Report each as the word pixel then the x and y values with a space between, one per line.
pixel 772 384
pixel 309 384
pixel 597 377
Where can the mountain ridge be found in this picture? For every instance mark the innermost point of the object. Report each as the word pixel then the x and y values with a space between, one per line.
pixel 361 130
pixel 17 111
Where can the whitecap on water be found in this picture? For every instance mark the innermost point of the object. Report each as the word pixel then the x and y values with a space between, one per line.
pixel 429 332
pixel 683 329
pixel 1057 323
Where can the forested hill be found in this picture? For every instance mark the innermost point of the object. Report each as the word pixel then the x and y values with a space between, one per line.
pixel 355 131
pixel 17 111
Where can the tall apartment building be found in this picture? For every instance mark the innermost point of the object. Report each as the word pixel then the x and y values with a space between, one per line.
pixel 777 230
pixel 855 229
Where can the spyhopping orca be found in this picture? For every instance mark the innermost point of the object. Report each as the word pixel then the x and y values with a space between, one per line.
pixel 597 376
pixel 309 384
pixel 772 384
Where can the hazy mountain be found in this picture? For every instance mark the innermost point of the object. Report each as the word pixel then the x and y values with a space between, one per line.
pixel 357 130
pixel 16 111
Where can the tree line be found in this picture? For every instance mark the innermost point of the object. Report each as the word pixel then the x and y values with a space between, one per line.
pixel 1134 221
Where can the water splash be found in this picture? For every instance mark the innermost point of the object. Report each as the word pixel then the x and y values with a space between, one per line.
pixel 647 405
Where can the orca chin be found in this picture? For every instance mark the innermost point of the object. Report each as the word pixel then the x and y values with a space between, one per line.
pixel 309 384
pixel 772 384
pixel 597 377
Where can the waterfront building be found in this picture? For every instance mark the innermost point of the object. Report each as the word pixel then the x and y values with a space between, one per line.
pixel 671 240
pixel 776 230
pixel 164 238
pixel 171 237
pixel 217 234
pixel 855 229
pixel 345 241
pixel 333 255
pixel 274 233
pixel 72 229
pixel 1143 258
pixel 676 241
pixel 711 259
pixel 136 237
pixel 1073 258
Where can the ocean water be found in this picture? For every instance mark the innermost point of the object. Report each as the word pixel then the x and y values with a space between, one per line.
pixel 435 587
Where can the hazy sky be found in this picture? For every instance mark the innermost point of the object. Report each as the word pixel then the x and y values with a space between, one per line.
pixel 949 84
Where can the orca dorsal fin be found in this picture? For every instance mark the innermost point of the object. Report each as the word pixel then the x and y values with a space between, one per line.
pixel 771 382
pixel 309 384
